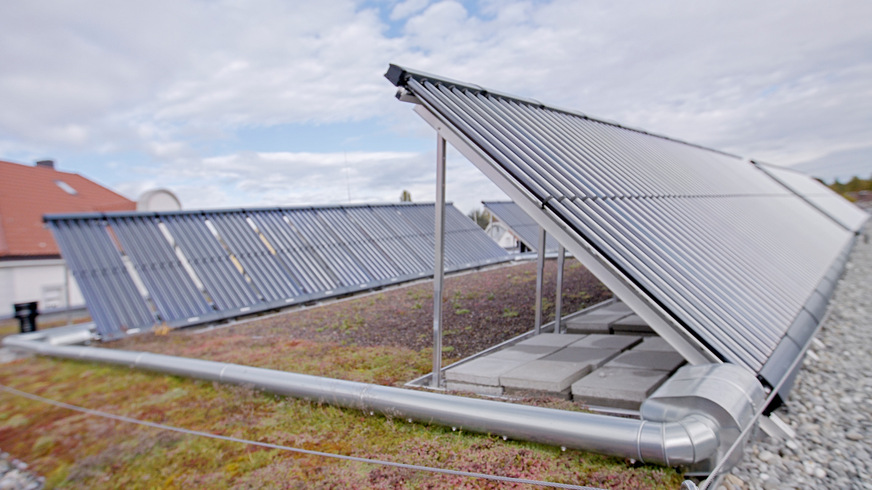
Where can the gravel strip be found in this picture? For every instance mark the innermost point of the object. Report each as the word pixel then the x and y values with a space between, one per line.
pixel 14 475
pixel 830 407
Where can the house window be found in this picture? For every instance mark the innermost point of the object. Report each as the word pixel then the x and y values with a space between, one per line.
pixel 52 296
pixel 66 187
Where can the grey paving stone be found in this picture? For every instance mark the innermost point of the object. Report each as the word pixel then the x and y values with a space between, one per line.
pixel 474 388
pixel 602 341
pixel 524 352
pixel 556 372
pixel 648 359
pixel 482 371
pixel 617 387
pixel 547 376
pixel 598 320
pixel 630 319
pixel 552 339
pixel 518 392
pixel 630 323
pixel 654 343
pixel 576 354
pixel 574 327
pixel 617 307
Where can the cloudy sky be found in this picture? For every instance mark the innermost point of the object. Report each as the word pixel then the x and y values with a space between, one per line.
pixel 251 103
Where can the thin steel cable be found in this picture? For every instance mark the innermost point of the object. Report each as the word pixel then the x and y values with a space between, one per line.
pixel 98 413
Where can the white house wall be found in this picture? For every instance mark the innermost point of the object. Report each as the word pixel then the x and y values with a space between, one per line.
pixel 23 281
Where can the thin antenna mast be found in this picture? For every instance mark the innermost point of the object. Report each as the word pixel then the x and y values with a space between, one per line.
pixel 347 182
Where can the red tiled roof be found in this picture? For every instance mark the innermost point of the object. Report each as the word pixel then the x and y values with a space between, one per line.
pixel 27 193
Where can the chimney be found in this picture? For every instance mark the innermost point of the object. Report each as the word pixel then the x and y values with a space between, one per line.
pixel 45 164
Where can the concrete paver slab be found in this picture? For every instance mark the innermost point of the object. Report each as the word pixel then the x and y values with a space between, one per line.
pixel 602 341
pixel 524 352
pixel 474 388
pixel 547 376
pixel 598 320
pixel 642 359
pixel 631 323
pixel 630 319
pixel 552 339
pixel 654 343
pixel 523 392
pixel 616 307
pixel 482 371
pixel 617 387
pixel 577 327
pixel 601 315
pixel 590 355
pixel 556 372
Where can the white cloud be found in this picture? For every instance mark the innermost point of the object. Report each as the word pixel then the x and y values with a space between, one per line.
pixel 173 82
pixel 253 179
pixel 782 81
pixel 112 69
pixel 406 8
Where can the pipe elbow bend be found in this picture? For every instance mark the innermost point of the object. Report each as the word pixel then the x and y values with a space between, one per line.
pixel 691 440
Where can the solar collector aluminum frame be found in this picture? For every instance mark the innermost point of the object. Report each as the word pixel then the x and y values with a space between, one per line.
pixel 266 273
pixel 403 259
pixel 347 271
pixel 365 251
pixel 417 244
pixel 819 196
pixel 298 256
pixel 107 285
pixel 250 260
pixel 132 311
pixel 605 181
pixel 651 312
pixel 520 224
pixel 170 287
pixel 210 262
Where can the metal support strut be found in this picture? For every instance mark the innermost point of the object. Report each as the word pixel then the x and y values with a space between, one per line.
pixel 438 264
pixel 558 301
pixel 540 278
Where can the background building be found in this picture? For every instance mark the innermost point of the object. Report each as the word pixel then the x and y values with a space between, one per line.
pixel 31 268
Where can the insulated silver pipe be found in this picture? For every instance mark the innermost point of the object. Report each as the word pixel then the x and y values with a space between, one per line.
pixel 690 440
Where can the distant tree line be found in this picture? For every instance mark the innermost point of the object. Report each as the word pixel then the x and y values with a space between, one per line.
pixel 856 184
pixel 481 217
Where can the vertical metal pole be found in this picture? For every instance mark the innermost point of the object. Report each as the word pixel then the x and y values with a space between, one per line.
pixel 558 301
pixel 67 293
pixel 438 264
pixel 540 279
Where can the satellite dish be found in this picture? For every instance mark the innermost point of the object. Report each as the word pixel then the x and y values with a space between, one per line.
pixel 158 200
